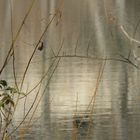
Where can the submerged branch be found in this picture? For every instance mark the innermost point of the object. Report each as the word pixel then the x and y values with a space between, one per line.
pixel 128 36
pixel 123 59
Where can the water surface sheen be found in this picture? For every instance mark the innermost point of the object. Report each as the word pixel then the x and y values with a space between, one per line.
pixel 90 31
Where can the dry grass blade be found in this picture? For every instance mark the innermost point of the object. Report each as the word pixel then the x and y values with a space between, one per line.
pixel 41 95
pixel 27 112
pixel 35 106
pixel 14 40
pixel 92 101
pixel 94 97
pixel 43 92
pixel 14 71
pixel 42 35
pixel 46 74
pixel 33 53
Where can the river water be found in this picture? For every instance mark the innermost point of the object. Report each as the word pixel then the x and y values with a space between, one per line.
pixel 89 32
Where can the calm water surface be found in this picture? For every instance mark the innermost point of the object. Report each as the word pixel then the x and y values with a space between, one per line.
pixel 67 111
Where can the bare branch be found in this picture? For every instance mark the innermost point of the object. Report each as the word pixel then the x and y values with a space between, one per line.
pixel 14 40
pixel 128 36
pixel 124 59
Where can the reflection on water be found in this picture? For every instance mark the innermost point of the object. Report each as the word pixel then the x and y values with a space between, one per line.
pixel 86 28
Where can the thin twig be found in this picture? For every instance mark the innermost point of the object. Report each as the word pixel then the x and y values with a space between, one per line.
pixel 126 60
pixel 88 46
pixel 14 70
pixel 135 30
pixel 42 35
pixel 95 94
pixel 46 74
pixel 27 111
pixel 0 122
pixel 129 61
pixel 12 47
pixel 28 64
pixel 43 91
pixel 128 36
pixel 37 102
pixel 33 53
pixel 76 45
pixel 25 102
pixel 36 119
pixel 14 40
pixel 95 91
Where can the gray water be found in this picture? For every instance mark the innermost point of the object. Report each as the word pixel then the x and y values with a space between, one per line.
pixel 90 32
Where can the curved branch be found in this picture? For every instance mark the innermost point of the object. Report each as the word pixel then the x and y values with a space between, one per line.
pixel 128 36
pixel 122 59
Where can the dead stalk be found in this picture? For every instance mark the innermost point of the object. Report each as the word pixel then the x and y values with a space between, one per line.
pixel 37 95
pixel 94 96
pixel 14 40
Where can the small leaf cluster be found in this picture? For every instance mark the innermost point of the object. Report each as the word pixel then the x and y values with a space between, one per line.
pixel 7 94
